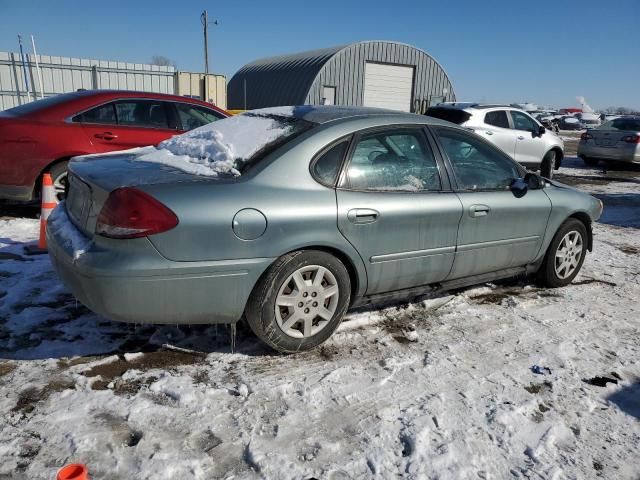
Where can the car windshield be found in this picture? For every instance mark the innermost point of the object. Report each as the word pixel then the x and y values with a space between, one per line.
pixel 38 105
pixel 232 145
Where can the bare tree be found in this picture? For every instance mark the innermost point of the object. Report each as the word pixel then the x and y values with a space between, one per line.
pixel 163 61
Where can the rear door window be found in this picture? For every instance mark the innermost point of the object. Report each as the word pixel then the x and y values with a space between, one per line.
pixel 194 116
pixel 142 113
pixel 396 160
pixel 454 115
pixel 104 114
pixel 497 119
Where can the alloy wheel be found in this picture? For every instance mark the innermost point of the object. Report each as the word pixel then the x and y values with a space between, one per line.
pixel 306 301
pixel 59 185
pixel 568 254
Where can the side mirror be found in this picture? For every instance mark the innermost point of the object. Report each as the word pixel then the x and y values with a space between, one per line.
pixel 541 130
pixel 519 187
pixel 534 181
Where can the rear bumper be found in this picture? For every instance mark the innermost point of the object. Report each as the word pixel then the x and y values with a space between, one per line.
pixel 17 193
pixel 590 150
pixel 132 282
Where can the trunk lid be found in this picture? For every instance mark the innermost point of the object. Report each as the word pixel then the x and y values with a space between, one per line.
pixel 91 179
pixel 610 138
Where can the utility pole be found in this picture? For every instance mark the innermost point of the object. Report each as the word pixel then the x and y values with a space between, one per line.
pixel 24 68
pixel 204 18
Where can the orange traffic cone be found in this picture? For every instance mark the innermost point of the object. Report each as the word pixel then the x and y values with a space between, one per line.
pixel 49 202
pixel 74 471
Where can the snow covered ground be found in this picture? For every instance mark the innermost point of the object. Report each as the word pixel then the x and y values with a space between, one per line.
pixel 437 389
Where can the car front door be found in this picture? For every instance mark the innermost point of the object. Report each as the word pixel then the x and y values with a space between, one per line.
pixel 497 230
pixel 128 123
pixel 397 210
pixel 498 131
pixel 530 146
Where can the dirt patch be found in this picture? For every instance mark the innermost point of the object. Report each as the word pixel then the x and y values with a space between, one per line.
pixel 496 297
pixel 629 249
pixel 30 397
pixel 6 368
pixel 536 388
pixel 124 387
pixel 163 359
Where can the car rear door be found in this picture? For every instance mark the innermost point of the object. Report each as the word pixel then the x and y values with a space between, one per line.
pixel 396 208
pixel 530 146
pixel 498 131
pixel 129 123
pixel 497 230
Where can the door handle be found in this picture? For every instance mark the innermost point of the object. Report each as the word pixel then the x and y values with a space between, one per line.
pixel 520 137
pixel 479 210
pixel 362 215
pixel 488 132
pixel 106 136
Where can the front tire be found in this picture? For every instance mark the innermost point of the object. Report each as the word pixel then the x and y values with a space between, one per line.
pixel 300 301
pixel 548 165
pixel 565 255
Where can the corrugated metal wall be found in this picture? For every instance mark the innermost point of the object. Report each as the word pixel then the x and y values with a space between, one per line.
pixel 345 71
pixel 64 74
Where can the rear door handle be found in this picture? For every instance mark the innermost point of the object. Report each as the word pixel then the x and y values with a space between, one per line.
pixel 479 210
pixel 520 137
pixel 488 132
pixel 362 215
pixel 106 136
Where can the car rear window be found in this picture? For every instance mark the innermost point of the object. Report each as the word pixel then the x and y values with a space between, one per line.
pixel 38 105
pixel 453 115
pixel 497 119
pixel 627 124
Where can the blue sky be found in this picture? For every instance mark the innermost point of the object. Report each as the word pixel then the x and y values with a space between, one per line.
pixel 546 52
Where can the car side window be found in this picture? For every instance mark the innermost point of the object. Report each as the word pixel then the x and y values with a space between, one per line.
pixel 194 116
pixel 142 113
pixel 326 167
pixel 497 119
pixel 476 164
pixel 523 122
pixel 104 114
pixel 397 160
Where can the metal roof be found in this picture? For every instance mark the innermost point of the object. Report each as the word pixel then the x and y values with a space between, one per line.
pixel 282 78
pixel 299 78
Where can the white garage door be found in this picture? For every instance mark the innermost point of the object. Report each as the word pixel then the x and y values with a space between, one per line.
pixel 388 86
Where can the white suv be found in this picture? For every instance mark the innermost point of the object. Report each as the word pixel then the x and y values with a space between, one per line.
pixel 509 128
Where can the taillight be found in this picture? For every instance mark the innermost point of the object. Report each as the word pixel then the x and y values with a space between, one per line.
pixel 586 136
pixel 631 139
pixel 131 213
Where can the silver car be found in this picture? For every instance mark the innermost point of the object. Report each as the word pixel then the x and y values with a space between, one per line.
pixel 320 210
pixel 513 130
pixel 617 139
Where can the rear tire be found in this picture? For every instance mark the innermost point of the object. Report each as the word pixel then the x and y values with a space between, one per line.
pixel 565 255
pixel 300 301
pixel 548 165
pixel 59 176
pixel 590 162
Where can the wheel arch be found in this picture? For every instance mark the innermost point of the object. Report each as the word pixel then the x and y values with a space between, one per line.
pixel 586 220
pixel 38 183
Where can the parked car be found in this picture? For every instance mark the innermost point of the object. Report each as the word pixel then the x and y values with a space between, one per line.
pixel 511 129
pixel 318 210
pixel 617 140
pixel 42 136
pixel 569 122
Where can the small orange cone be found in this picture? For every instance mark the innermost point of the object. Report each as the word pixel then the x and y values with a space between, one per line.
pixel 48 204
pixel 73 471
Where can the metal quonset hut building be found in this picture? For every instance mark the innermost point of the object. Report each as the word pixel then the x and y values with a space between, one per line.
pixel 373 73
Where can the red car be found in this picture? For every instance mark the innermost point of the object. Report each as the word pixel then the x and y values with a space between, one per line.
pixel 42 136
